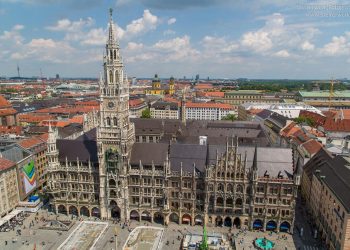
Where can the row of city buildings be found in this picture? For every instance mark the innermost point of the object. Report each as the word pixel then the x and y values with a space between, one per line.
pixel 95 157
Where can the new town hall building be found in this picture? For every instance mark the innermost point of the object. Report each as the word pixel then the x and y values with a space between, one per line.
pixel 188 172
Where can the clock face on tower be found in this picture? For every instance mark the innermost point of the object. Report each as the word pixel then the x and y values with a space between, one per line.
pixel 110 105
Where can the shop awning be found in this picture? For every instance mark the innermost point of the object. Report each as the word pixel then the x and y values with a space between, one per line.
pixel 186 219
pixel 198 220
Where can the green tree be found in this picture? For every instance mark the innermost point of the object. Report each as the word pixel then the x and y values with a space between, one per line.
pixel 229 117
pixel 146 113
pixel 306 120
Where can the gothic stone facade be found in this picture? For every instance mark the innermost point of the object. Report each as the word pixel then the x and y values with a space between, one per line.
pixel 159 171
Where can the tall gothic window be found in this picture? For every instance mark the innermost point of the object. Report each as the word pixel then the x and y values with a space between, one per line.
pixel 108 121
pixel 115 55
pixel 114 121
pixel 111 76
pixel 111 54
pixel 116 76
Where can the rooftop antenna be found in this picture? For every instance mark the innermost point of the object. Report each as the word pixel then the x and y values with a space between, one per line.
pixel 19 75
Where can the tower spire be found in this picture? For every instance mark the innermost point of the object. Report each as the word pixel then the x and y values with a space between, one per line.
pixel 255 160
pixel 111 32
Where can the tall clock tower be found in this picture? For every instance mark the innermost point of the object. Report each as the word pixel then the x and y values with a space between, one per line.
pixel 115 132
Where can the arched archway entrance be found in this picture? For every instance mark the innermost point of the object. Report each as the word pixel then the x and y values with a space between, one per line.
pixel 237 222
pixel 95 212
pixel 115 210
pixel 62 209
pixel 84 211
pixel 73 210
pixel 134 215
pixel 218 221
pixel 257 224
pixel 174 218
pixel 285 226
pixel 228 222
pixel 198 220
pixel 186 219
pixel 146 216
pixel 271 225
pixel 158 218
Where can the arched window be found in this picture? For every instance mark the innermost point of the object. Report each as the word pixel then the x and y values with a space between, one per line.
pixel 111 54
pixel 117 76
pixel 220 187
pixel 114 121
pixel 229 188
pixel 111 76
pixel 108 121
pixel 239 189
pixel 115 55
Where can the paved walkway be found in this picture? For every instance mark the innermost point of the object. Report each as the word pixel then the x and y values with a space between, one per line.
pixel 172 234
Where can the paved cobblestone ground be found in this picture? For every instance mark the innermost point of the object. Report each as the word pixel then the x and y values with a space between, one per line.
pixel 53 239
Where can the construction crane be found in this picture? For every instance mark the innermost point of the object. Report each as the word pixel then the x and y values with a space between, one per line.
pixel 331 93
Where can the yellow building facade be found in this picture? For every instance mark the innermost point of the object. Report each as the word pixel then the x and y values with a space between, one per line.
pixel 161 89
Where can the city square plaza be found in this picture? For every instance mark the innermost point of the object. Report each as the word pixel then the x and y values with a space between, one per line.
pixel 134 235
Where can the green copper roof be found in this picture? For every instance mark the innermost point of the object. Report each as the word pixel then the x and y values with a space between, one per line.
pixel 340 94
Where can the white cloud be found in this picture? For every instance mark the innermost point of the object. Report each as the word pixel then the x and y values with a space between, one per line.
pixel 168 32
pixel 134 46
pixel 257 41
pixel 71 26
pixel 171 21
pixel 307 46
pixel 13 36
pixel 340 45
pixel 139 26
pixel 282 53
pixel 94 37
pixel 176 49
pixel 45 50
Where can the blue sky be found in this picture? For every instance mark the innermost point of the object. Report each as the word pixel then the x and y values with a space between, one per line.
pixel 299 39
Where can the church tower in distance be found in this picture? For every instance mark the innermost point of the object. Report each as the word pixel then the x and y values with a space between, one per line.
pixel 115 132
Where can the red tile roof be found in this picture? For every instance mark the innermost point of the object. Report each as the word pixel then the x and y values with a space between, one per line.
pixel 88 103
pixel 5 164
pixel 44 137
pixel 345 113
pixel 289 129
pixel 4 103
pixel 55 123
pixel 319 119
pixel 30 142
pixel 312 146
pixel 11 130
pixel 254 111
pixel 136 102
pixel 215 94
pixel 8 111
pixel 204 86
pixel 77 119
pixel 34 118
pixel 337 125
